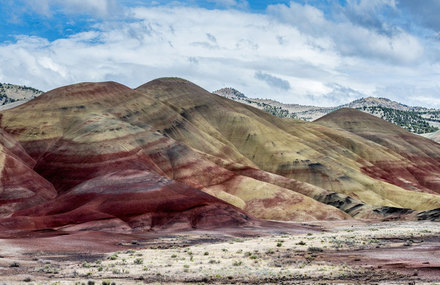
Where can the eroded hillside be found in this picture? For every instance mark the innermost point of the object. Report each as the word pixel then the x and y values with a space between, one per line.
pixel 169 154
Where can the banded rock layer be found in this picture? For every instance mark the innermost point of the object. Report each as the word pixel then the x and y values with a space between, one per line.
pixel 171 154
pixel 419 170
pixel 20 186
pixel 330 158
pixel 129 200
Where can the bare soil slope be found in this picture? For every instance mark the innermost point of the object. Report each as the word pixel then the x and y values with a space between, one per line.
pixel 134 160
pixel 419 171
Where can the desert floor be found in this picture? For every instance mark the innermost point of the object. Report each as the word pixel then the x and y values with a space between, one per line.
pixel 318 253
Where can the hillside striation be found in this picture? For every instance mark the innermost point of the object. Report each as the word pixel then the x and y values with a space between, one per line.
pixel 171 155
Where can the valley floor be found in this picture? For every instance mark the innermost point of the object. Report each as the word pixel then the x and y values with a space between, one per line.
pixel 320 253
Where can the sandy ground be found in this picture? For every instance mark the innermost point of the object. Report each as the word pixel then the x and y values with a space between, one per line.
pixel 337 253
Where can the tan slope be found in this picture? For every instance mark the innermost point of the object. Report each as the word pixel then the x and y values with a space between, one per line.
pixel 422 170
pixel 381 132
pixel 326 157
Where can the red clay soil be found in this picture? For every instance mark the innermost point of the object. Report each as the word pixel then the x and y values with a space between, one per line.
pixel 15 149
pixel 422 176
pixel 128 201
pixel 420 261
pixel 20 186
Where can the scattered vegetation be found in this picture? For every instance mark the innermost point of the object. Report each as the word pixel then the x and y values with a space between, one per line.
pixel 415 120
pixel 6 89
pixel 276 111
pixel 138 261
pixel 409 120
pixel 14 264
pixel 315 249
pixel 113 257
pixel 300 258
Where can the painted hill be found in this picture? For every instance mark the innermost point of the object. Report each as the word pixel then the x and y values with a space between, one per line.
pixel 95 162
pixel 417 120
pixel 302 151
pixel 21 187
pixel 80 132
pixel 128 200
pixel 422 165
pixel 13 95
pixel 170 154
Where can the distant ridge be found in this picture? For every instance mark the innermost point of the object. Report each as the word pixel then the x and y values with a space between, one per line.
pixel 13 95
pixel 435 136
pixel 378 102
pixel 418 120
pixel 230 93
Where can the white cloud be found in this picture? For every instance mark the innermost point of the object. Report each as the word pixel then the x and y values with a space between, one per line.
pixel 311 60
pixel 351 39
pixel 40 6
pixel 100 8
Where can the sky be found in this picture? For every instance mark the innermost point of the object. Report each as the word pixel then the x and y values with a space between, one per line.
pixel 312 52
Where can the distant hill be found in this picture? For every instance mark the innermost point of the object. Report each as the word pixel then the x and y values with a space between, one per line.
pixel 13 95
pixel 435 136
pixel 378 102
pixel 417 120
pixel 230 93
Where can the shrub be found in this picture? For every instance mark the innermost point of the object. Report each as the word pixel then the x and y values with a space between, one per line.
pixel 113 257
pixel 315 249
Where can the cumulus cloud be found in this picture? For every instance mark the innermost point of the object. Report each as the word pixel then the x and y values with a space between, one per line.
pixel 291 53
pixel 176 41
pixel 351 39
